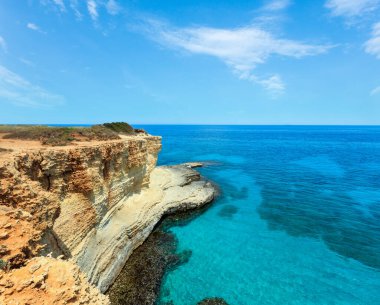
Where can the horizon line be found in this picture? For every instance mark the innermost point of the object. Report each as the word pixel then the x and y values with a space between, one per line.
pixel 187 124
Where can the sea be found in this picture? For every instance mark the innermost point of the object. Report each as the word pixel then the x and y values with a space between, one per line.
pixel 297 220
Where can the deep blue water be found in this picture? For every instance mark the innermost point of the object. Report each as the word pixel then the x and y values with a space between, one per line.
pixel 298 220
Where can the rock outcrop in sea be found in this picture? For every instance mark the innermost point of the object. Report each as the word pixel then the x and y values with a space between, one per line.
pixel 71 216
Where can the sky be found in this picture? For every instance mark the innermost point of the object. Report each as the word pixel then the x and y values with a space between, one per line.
pixel 190 61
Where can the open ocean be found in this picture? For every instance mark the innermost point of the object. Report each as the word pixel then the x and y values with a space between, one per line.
pixel 297 221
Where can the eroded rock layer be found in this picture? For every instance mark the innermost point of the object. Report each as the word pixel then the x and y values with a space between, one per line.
pixel 68 190
pixel 129 223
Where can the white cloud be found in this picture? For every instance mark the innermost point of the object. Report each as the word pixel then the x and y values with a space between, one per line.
pixel 273 84
pixel 19 91
pixel 78 7
pixel 113 7
pixel 32 26
pixel 60 4
pixel 372 46
pixel 277 5
pixel 351 8
pixel 74 7
pixel 375 91
pixel 26 62
pixel 242 49
pixel 3 45
pixel 92 9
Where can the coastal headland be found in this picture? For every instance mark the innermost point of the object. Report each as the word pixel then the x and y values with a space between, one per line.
pixel 76 202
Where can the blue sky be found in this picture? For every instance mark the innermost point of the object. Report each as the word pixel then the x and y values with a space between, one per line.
pixel 190 62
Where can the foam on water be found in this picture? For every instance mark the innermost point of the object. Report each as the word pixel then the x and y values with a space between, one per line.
pixel 298 220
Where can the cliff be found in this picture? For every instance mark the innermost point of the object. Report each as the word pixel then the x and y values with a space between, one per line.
pixel 91 204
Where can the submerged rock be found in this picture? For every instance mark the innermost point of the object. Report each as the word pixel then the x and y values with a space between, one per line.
pixel 140 280
pixel 228 211
pixel 213 301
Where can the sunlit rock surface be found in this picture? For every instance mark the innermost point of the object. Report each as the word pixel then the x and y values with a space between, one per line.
pixel 91 204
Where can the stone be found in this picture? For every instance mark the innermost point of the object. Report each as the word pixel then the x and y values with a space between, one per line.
pixel 34 268
pixel 4 235
pixel 194 164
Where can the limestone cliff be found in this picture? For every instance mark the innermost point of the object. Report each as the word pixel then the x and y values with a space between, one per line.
pixel 92 203
pixel 67 191
pixel 104 251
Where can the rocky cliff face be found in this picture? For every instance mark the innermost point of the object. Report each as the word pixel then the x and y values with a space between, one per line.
pixel 105 250
pixel 67 191
pixel 91 204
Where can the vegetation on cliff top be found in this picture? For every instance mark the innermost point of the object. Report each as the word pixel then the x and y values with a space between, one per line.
pixel 60 136
pixel 4 150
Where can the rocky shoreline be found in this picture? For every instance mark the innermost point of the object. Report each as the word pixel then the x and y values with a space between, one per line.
pixel 139 281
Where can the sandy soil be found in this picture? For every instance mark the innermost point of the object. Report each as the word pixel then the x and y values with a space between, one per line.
pixel 15 145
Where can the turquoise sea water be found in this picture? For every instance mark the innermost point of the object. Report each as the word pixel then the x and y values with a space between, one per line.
pixel 297 222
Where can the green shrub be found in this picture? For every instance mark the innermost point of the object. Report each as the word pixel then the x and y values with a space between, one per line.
pixel 120 127
pixel 3 264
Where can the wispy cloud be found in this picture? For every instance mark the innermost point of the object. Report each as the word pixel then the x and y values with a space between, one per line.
pixel 92 9
pixel 74 6
pixel 18 91
pixel 242 49
pixel 60 4
pixel 351 8
pixel 375 91
pixel 26 62
pixel 83 7
pixel 273 84
pixel 277 5
pixel 34 27
pixel 113 7
pixel 3 45
pixel 372 46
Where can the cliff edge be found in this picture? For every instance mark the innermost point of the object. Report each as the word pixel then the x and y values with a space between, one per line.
pixel 87 207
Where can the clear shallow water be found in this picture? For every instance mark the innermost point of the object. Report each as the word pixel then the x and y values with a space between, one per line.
pixel 298 220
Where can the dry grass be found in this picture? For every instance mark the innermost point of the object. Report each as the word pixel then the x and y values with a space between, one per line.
pixel 60 136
